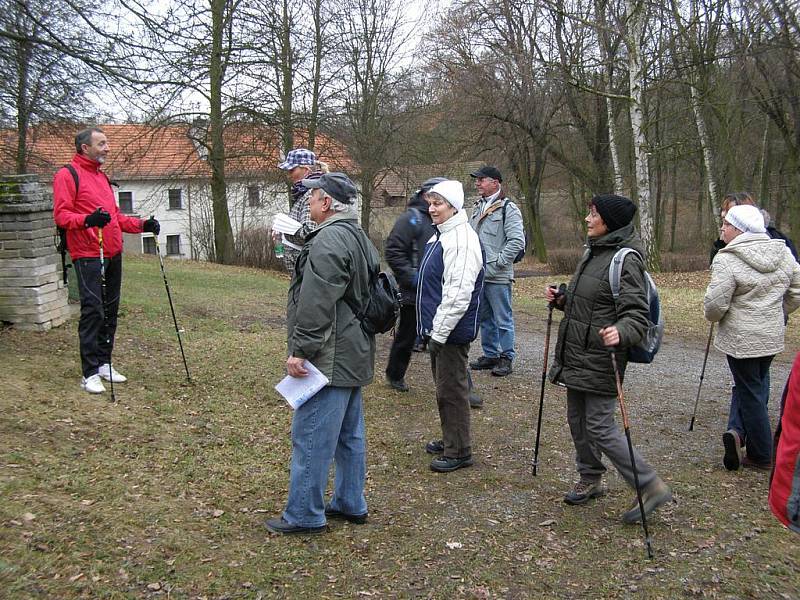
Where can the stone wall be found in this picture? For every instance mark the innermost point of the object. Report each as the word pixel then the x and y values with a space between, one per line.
pixel 32 293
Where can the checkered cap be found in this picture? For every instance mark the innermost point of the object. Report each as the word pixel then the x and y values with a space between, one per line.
pixel 298 157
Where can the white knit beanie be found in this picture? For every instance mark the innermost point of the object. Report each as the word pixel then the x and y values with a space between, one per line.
pixel 746 218
pixel 452 191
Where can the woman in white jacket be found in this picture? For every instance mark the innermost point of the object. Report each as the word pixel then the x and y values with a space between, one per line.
pixel 448 302
pixel 755 282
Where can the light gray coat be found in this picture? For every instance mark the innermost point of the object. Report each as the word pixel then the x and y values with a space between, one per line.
pixel 501 242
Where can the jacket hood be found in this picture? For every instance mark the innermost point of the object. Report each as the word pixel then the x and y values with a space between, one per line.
pixel 758 251
pixel 418 201
pixel 622 237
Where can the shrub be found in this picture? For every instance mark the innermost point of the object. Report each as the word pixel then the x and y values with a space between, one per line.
pixel 254 248
pixel 564 262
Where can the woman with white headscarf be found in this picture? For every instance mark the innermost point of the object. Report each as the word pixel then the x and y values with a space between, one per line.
pixel 755 281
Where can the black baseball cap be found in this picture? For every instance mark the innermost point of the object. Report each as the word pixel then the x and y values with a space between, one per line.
pixel 488 171
pixel 337 185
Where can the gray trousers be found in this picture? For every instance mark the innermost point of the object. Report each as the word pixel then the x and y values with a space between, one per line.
pixel 450 371
pixel 595 433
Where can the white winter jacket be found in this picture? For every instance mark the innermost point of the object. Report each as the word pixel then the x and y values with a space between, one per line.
pixel 755 281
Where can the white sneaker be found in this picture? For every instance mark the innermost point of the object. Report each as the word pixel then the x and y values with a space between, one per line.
pixel 106 371
pixel 93 385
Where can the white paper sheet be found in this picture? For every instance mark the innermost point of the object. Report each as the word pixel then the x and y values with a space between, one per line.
pixel 285 224
pixel 296 390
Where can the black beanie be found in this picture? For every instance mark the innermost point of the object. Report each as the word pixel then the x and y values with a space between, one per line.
pixel 616 211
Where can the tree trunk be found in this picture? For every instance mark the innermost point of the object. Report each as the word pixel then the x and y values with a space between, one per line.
pixel 674 222
pixel 619 184
pixel 287 81
pixel 317 75
pixel 705 145
pixel 763 184
pixel 367 190
pixel 633 40
pixel 223 233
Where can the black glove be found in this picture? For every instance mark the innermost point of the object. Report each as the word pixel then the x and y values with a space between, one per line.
pixel 98 218
pixel 151 226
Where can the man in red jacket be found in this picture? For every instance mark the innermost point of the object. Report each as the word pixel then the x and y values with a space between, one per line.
pixel 84 205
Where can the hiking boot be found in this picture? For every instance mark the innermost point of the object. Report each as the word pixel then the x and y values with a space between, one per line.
pixel 484 363
pixel 398 384
pixel 279 525
pixel 92 384
pixel 733 450
pixel 585 490
pixel 654 495
pixel 475 401
pixel 445 464
pixel 434 447
pixel 503 367
pixel 749 463
pixel 335 514
pixel 106 371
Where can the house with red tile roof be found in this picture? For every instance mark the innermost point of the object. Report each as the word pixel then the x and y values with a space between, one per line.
pixel 163 171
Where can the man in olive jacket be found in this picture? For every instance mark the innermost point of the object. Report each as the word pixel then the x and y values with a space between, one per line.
pixel 594 324
pixel 331 273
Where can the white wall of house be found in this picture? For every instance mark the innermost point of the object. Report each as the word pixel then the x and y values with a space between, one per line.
pixel 183 208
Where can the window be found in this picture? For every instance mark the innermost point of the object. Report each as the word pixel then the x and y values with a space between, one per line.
pixel 126 202
pixel 175 201
pixel 253 196
pixel 149 245
pixel 173 245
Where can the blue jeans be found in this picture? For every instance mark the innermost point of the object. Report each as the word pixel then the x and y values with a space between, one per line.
pixel 749 398
pixel 328 427
pixel 497 321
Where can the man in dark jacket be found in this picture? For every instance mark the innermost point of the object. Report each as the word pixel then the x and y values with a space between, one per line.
pixel 404 248
pixel 331 274
pixel 84 205
pixel 595 323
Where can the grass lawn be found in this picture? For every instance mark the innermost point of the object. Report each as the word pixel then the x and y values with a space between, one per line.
pixel 163 493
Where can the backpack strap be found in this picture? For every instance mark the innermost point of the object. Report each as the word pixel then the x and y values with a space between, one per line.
pixel 373 272
pixel 615 269
pixel 75 178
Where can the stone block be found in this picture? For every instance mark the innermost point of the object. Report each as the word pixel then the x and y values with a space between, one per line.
pixel 52 259
pixel 32 281
pixel 26 271
pixel 29 294
pixel 32 252
pixel 4 253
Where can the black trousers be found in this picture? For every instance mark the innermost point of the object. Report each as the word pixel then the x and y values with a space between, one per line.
pixel 97 327
pixel 404 336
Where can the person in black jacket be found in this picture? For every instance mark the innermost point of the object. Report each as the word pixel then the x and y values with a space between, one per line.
pixel 403 250
pixel 737 199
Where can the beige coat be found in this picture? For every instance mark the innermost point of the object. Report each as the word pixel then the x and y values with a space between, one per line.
pixel 755 281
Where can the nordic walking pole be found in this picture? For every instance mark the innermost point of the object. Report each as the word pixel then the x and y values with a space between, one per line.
pixel 561 289
pixel 627 428
pixel 702 374
pixel 172 307
pixel 105 311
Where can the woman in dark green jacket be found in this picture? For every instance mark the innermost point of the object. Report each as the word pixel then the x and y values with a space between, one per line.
pixel 593 325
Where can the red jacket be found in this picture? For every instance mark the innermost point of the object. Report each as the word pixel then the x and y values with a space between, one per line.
pixel 784 489
pixel 70 211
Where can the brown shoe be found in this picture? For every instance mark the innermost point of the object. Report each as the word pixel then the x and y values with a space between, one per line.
pixel 749 463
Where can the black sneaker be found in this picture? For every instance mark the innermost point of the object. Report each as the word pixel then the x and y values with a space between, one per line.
pixel 434 447
pixel 398 384
pixel 732 458
pixel 279 525
pixel 335 514
pixel 503 367
pixel 484 363
pixel 445 464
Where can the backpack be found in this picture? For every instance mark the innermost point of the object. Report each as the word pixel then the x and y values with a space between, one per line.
pixel 521 254
pixel 60 237
pixel 383 305
pixel 647 348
